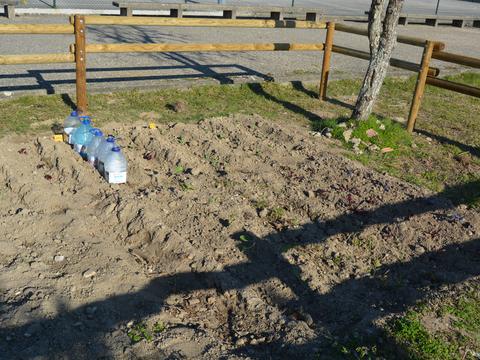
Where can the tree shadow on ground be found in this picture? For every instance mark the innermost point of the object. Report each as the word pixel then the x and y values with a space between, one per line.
pixel 349 306
pixel 340 103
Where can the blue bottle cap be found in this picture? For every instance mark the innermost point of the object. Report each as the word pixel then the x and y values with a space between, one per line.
pixel 116 149
pixel 74 113
pixel 86 122
pixel 98 132
pixel 110 139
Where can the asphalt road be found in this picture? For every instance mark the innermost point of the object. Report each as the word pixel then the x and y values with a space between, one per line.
pixel 119 71
pixel 338 7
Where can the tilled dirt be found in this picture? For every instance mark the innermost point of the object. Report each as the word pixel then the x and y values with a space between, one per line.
pixel 243 238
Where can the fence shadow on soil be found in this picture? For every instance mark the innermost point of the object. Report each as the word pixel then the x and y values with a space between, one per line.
pixel 187 70
pixel 351 305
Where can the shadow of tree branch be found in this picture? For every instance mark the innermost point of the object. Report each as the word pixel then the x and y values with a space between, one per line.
pixel 352 304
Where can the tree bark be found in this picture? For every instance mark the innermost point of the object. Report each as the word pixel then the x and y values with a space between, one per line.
pixel 382 26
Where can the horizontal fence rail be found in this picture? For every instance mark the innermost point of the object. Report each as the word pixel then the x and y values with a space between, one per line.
pixel 401 64
pixel 191 22
pixel 36 29
pixel 409 40
pixel 36 59
pixel 123 48
pixel 454 86
pixel 457 59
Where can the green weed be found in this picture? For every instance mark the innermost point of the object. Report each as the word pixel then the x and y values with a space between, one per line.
pixel 245 243
pixel 179 170
pixel 213 159
pixel 276 214
pixel 181 140
pixel 186 186
pixel 260 204
pixel 158 327
pixel 352 348
pixel 139 332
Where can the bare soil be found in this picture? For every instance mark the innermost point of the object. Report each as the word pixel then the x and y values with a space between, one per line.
pixel 246 238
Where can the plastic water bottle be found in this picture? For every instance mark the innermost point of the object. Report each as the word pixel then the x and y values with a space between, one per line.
pixel 103 151
pixel 69 125
pixel 91 149
pixel 116 167
pixel 82 136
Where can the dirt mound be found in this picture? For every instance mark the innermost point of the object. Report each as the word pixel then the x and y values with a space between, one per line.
pixel 235 237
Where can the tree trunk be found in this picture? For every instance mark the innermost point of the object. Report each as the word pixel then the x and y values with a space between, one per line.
pixel 382 34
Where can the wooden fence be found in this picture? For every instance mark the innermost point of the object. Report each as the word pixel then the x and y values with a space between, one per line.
pixel 78 51
pixel 426 74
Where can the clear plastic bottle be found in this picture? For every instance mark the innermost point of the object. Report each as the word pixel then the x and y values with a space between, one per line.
pixel 71 123
pixel 91 150
pixel 103 151
pixel 82 136
pixel 116 167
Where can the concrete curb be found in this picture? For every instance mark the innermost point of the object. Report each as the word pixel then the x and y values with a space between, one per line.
pixel 40 11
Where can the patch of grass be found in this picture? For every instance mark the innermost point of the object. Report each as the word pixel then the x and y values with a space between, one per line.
pixel 465 311
pixel 390 133
pixel 418 342
pixel 332 125
pixel 410 336
pixel 457 338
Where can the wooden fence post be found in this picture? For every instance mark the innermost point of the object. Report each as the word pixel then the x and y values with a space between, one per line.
pixel 420 86
pixel 327 53
pixel 80 62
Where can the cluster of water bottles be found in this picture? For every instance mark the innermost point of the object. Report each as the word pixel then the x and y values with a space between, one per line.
pixel 100 151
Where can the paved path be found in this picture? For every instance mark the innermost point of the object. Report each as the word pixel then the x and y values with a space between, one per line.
pixel 120 71
pixel 342 7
